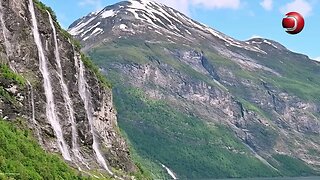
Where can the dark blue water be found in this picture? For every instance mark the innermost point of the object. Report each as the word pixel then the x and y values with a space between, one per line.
pixel 279 178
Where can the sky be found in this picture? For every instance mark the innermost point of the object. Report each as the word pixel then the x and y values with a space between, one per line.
pixel 240 19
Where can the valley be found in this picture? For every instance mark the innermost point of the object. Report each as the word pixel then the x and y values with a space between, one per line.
pixel 138 90
pixel 202 103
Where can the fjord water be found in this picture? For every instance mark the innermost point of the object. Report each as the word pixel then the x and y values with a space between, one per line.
pixel 86 97
pixel 50 104
pixel 278 178
pixel 66 97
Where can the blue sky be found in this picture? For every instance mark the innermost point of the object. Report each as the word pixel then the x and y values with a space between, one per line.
pixel 240 19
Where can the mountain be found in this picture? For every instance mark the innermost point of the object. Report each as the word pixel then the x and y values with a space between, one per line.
pixel 57 118
pixel 197 103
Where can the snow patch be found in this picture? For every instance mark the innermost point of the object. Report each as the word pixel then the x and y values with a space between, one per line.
pixel 268 42
pixel 94 26
pixel 93 33
pixel 96 31
pixel 84 39
pixel 138 5
pixel 108 13
pixel 80 27
pixel 95 12
pixel 316 59
pixel 151 14
pixel 123 26
pixel 264 41
pixel 188 32
pixel 135 14
pixel 255 42
pixel 158 32
pixel 233 42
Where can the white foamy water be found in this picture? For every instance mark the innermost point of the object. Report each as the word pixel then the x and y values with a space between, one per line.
pixel 169 172
pixel 4 32
pixel 66 97
pixel 33 117
pixel 50 105
pixel 7 44
pixel 86 97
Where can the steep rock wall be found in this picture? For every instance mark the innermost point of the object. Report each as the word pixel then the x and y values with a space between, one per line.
pixel 19 50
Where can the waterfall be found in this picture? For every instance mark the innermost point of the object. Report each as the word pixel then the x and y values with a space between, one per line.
pixel 4 32
pixel 66 96
pixel 33 117
pixel 8 50
pixel 169 172
pixel 86 97
pixel 50 105
pixel 6 41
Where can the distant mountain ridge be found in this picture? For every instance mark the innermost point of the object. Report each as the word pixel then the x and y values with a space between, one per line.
pixel 201 103
pixel 156 19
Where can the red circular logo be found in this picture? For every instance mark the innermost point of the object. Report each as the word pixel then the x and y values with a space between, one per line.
pixel 293 22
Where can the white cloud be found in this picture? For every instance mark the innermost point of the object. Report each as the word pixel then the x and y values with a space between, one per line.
pixel 255 36
pixel 94 3
pixel 232 4
pixel 180 5
pixel 301 6
pixel 266 4
pixel 184 5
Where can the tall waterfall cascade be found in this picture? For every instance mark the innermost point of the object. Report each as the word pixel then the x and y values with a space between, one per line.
pixel 86 97
pixel 51 113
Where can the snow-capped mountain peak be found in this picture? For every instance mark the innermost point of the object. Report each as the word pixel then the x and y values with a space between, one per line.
pixel 154 22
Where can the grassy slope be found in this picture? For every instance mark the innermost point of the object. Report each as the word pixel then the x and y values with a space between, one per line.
pixel 20 155
pixel 290 166
pixel 183 143
pixel 22 158
pixel 300 76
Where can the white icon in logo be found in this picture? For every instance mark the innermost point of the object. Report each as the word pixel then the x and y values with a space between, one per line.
pixel 295 23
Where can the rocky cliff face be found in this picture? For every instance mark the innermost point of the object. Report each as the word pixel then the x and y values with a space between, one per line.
pixel 265 94
pixel 68 108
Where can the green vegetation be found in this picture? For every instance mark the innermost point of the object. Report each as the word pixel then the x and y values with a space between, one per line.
pixel 304 89
pixel 4 95
pixel 142 163
pixel 43 8
pixel 20 155
pixel 253 107
pixel 290 166
pixel 313 152
pixel 73 41
pixel 8 77
pixel 160 133
pixel 183 142
pixel 128 51
pixel 22 158
pixel 299 76
pixel 7 73
pixel 91 66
